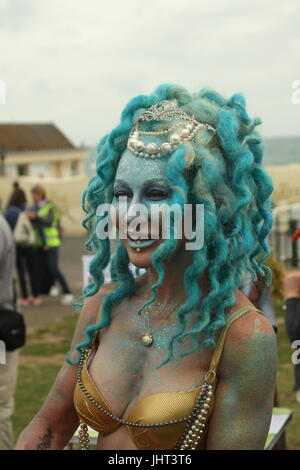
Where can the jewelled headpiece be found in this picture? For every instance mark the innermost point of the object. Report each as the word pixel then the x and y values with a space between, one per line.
pixel 164 111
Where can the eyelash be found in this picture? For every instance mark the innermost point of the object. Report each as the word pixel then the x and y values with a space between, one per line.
pixel 121 193
pixel 157 194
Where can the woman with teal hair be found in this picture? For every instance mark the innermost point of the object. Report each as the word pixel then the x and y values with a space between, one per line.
pixel 177 358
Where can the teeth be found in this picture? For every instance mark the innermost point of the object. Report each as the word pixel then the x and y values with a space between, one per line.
pixel 138 239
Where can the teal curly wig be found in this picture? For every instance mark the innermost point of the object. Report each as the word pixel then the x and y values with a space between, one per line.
pixel 227 177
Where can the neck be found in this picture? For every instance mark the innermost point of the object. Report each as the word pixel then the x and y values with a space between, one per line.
pixel 172 288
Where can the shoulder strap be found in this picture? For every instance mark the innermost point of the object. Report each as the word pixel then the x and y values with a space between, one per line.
pixel 220 344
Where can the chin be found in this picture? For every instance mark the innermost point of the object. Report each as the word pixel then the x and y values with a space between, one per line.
pixel 143 258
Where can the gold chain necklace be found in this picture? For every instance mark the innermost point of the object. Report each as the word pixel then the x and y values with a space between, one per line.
pixel 147 337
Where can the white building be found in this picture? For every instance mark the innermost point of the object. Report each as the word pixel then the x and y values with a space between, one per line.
pixel 39 150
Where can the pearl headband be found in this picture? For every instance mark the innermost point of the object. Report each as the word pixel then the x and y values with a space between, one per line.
pixel 164 111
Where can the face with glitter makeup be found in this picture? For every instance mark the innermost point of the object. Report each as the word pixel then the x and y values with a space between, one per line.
pixel 140 181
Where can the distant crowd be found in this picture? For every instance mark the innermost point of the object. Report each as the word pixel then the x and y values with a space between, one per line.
pixel 37 233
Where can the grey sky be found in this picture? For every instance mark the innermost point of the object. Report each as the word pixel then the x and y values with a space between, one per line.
pixel 77 63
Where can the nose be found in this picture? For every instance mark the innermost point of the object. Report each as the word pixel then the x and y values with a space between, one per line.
pixel 137 211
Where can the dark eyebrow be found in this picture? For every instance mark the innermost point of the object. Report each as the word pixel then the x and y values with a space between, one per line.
pixel 159 181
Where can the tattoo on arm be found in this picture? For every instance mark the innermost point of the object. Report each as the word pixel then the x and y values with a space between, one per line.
pixel 46 440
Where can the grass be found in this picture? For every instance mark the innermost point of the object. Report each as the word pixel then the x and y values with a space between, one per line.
pixel 44 353
pixel 40 361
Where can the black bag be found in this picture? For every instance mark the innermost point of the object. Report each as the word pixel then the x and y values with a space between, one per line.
pixel 12 329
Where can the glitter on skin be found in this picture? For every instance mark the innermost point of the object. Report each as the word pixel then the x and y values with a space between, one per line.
pixel 136 171
pixel 138 367
pixel 249 361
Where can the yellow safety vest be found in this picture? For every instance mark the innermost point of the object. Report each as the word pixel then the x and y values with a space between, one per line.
pixel 51 233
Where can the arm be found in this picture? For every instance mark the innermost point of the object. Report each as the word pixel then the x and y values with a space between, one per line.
pixel 245 391
pixel 56 422
pixel 291 305
pixel 44 221
pixel 292 285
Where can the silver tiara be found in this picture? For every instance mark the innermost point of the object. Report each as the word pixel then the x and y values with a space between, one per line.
pixel 164 111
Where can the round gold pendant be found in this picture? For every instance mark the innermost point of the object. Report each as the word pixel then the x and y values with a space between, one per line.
pixel 147 339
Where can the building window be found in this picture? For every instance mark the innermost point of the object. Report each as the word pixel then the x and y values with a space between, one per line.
pixel 74 167
pixel 22 170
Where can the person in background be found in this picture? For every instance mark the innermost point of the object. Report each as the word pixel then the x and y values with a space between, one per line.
pixel 17 194
pixel 45 215
pixel 26 256
pixel 8 371
pixel 292 318
pixel 16 204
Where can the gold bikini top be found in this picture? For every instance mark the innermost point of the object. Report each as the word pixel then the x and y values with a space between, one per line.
pixel 166 420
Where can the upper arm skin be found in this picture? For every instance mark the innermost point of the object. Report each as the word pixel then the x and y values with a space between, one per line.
pixel 245 389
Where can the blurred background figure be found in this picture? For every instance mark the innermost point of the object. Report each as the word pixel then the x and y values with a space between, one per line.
pixel 16 204
pixel 292 318
pixel 8 371
pixel 17 195
pixel 26 252
pixel 45 218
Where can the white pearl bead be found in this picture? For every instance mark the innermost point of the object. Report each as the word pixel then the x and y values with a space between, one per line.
pixel 185 133
pixel 138 145
pixel 166 147
pixel 152 148
pixel 175 139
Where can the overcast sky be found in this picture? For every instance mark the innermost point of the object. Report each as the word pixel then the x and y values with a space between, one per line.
pixel 77 63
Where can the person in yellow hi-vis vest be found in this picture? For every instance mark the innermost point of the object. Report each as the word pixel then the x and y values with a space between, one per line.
pixel 45 219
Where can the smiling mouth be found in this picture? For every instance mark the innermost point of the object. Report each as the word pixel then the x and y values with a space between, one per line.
pixel 135 236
